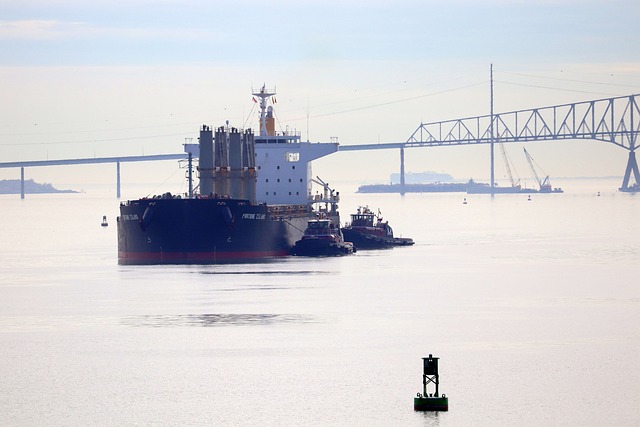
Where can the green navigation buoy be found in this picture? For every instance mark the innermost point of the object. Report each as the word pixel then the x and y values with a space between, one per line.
pixel 433 401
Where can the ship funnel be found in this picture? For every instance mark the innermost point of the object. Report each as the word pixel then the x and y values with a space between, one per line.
pixel 270 122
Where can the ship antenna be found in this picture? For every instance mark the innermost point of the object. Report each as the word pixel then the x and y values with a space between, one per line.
pixel 264 94
pixel 308 137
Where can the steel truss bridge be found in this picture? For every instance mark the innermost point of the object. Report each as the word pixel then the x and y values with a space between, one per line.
pixel 613 120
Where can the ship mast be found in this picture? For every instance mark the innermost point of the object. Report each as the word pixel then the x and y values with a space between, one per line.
pixel 264 94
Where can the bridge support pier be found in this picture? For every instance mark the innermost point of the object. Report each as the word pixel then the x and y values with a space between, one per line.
pixel 632 166
pixel 401 170
pixel 118 180
pixel 22 182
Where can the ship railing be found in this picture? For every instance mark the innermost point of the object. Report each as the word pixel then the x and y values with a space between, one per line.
pixel 280 137
pixel 279 212
pixel 319 198
pixel 290 133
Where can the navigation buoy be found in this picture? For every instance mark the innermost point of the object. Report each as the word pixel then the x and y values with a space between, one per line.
pixel 430 401
pixel 598 194
pixel 104 221
pixel 464 202
pixel 529 198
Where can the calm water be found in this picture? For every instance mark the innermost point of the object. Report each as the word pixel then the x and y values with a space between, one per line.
pixel 532 306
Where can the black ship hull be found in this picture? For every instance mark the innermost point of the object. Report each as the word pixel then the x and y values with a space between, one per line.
pixel 204 231
pixel 374 241
pixel 320 247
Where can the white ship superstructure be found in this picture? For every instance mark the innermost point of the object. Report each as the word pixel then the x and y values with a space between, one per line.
pixel 283 161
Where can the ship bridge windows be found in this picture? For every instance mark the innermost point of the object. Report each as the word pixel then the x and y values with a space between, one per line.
pixel 270 140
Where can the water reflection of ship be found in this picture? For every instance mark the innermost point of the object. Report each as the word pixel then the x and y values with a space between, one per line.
pixel 253 200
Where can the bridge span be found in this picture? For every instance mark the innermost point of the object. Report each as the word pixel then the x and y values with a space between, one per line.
pixel 91 160
pixel 613 120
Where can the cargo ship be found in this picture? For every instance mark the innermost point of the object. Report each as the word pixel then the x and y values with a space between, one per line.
pixel 253 201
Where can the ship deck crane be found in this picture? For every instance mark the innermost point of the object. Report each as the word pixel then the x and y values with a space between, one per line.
pixel 544 184
pixel 330 196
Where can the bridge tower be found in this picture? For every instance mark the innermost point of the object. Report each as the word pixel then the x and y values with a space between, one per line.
pixel 492 134
pixel 402 170
pixel 632 164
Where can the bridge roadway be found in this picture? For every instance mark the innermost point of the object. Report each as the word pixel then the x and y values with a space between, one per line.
pixel 147 158
pixel 613 120
pixel 86 161
pixel 91 160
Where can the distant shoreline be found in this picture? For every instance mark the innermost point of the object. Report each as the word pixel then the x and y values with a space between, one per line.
pixel 12 186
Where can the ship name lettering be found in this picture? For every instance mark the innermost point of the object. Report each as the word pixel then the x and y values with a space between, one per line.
pixel 254 216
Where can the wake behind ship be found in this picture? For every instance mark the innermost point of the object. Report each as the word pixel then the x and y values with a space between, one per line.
pixel 253 200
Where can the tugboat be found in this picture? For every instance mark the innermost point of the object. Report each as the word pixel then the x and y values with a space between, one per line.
pixel 369 231
pixel 322 238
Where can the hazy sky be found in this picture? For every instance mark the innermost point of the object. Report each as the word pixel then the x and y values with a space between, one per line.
pixel 104 78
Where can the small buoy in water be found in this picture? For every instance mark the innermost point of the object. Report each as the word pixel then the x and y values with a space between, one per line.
pixel 529 198
pixel 464 202
pixel 598 194
pixel 104 221
pixel 432 401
